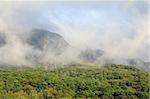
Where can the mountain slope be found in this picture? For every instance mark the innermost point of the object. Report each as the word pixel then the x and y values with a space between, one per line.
pixel 43 39
pixel 2 39
pixel 90 55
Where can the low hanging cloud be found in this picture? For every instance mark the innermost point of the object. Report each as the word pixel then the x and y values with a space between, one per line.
pixel 120 29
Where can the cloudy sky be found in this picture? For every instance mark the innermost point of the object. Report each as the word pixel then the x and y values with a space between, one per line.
pixel 119 27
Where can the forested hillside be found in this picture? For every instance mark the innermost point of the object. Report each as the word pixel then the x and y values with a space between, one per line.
pixel 107 82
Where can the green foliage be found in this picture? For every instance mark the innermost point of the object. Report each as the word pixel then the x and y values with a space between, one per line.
pixel 108 82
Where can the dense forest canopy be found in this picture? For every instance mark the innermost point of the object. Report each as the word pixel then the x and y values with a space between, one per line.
pixel 107 82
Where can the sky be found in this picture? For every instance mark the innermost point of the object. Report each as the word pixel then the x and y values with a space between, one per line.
pixel 119 27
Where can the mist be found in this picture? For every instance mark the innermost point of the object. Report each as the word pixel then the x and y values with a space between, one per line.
pixel 120 29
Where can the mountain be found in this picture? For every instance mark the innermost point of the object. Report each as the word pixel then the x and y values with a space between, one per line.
pixel 2 39
pixel 134 62
pixel 43 39
pixel 139 63
pixel 90 55
pixel 45 44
